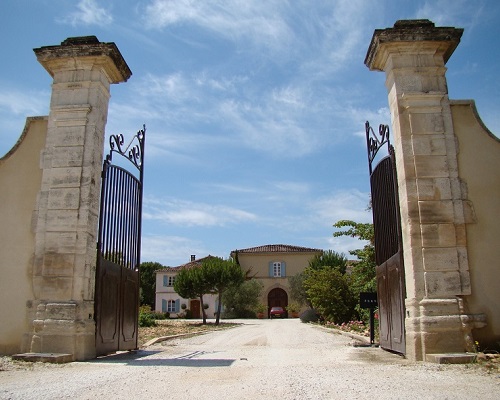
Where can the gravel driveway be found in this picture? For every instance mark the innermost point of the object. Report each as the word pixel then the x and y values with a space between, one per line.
pixel 262 359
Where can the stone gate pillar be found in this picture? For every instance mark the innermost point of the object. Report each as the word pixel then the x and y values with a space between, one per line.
pixel 66 218
pixel 433 200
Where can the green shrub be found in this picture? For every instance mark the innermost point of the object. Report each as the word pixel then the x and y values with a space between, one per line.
pixel 309 315
pixel 161 315
pixel 146 320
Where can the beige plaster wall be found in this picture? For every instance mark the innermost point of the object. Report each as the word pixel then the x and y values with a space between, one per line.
pixel 479 170
pixel 259 264
pixel 20 180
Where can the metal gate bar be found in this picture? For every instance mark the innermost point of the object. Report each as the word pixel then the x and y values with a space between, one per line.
pixel 388 245
pixel 119 247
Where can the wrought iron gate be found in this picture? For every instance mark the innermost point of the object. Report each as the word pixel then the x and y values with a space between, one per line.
pixel 119 247
pixel 388 247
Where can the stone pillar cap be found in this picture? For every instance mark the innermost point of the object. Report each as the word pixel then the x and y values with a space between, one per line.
pixel 81 47
pixel 416 30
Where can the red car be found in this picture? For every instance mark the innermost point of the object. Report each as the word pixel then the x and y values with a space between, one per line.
pixel 277 312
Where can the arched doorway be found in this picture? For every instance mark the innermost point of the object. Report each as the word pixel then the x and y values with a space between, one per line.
pixel 277 298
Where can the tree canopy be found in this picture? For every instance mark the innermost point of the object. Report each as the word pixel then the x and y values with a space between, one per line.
pixel 193 283
pixel 329 259
pixel 148 283
pixel 240 300
pixel 363 273
pixel 221 274
pixel 329 293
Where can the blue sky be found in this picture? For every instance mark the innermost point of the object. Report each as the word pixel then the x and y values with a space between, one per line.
pixel 254 109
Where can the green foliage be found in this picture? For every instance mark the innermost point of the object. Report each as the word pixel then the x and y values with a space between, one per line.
pixel 148 282
pixel 220 274
pixel 146 317
pixel 297 291
pixel 363 274
pixel 330 294
pixel 240 300
pixel 331 259
pixel 309 315
pixel 293 307
pixel 260 308
pixel 161 315
pixel 192 283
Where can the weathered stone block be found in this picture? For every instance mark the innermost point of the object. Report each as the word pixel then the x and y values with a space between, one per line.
pixel 434 189
pixel 71 136
pixel 428 145
pixel 440 259
pixel 431 166
pixel 61 311
pixel 58 264
pixel 65 177
pixel 436 211
pixel 464 209
pixel 57 343
pixel 55 288
pixel 67 156
pixel 439 284
pixel 438 235
pixel 60 242
pixel 428 123
pixel 64 198
pixel 61 220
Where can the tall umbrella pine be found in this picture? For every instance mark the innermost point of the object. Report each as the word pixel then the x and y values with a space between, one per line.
pixel 191 284
pixel 219 275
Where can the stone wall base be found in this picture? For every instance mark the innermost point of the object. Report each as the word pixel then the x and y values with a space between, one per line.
pixel 434 326
pixel 60 328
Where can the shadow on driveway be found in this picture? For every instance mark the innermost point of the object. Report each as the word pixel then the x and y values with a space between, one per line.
pixel 139 358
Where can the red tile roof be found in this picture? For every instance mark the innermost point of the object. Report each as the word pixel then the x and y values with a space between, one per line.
pixel 277 248
pixel 189 265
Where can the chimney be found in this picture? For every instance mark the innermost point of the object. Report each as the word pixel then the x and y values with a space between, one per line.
pixel 193 257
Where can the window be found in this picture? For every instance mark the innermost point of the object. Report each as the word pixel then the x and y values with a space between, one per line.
pixel 276 269
pixel 171 306
pixel 168 280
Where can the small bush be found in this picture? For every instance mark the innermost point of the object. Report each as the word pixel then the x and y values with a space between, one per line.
pixel 310 315
pixel 146 320
pixel 161 315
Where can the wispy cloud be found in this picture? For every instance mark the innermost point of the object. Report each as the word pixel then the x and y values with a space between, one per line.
pixel 25 102
pixel 169 250
pixel 235 20
pixel 88 12
pixel 452 13
pixel 345 204
pixel 188 214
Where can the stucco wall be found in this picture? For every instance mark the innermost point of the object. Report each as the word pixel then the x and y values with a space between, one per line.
pixel 259 264
pixel 479 169
pixel 20 180
pixel 168 293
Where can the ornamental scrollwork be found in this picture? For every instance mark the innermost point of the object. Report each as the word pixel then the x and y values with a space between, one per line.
pixel 134 151
pixel 375 142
